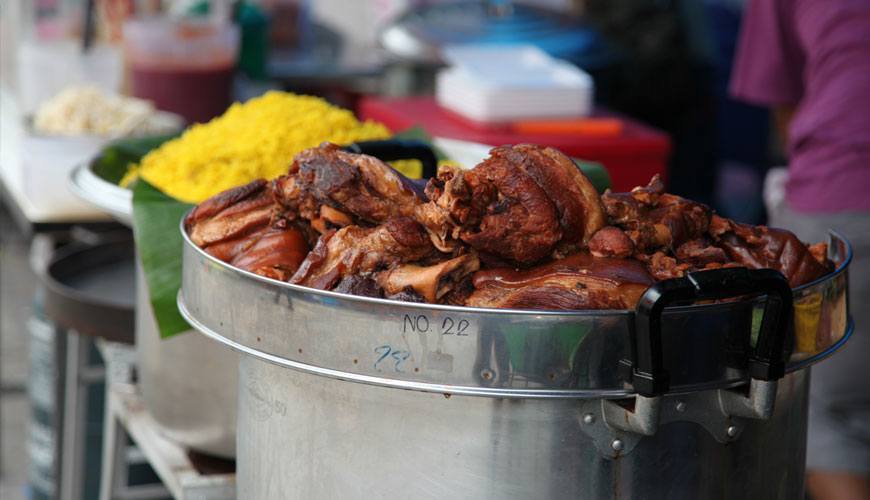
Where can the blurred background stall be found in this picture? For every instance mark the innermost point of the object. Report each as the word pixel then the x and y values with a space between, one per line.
pixel 638 86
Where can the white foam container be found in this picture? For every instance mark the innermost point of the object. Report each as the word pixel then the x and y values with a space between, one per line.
pixel 505 83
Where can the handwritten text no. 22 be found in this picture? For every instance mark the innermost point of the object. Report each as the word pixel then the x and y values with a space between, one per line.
pixel 421 324
pixel 417 324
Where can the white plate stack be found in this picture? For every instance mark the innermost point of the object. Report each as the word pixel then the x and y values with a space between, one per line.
pixel 487 83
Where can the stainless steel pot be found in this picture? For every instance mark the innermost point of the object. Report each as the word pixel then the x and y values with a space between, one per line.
pixel 506 404
pixel 517 404
pixel 189 384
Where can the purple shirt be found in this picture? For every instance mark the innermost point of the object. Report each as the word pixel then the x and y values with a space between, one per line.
pixel 816 55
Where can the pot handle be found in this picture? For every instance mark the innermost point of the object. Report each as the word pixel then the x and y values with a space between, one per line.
pixel 645 370
pixel 399 149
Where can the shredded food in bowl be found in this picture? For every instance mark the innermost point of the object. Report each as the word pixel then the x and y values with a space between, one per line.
pixel 252 140
pixel 89 110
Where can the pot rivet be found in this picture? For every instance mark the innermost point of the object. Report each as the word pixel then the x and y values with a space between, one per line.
pixel 681 406
pixel 589 419
pixel 731 431
pixel 616 445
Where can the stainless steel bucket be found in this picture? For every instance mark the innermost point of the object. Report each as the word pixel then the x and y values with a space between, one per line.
pixel 349 397
pixel 189 383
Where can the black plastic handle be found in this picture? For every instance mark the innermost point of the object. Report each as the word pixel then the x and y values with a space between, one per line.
pixel 399 149
pixel 645 370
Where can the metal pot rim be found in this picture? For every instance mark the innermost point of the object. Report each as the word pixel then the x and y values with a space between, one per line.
pixel 462 390
pixel 115 200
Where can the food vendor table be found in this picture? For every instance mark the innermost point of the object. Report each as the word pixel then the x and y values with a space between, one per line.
pixel 631 157
pixel 31 218
pixel 182 477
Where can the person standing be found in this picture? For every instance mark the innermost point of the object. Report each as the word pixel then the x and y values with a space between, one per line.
pixel 810 62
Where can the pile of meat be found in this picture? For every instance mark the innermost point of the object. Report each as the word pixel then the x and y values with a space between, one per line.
pixel 523 229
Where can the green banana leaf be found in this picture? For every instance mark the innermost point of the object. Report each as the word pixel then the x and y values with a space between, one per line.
pixel 596 173
pixel 156 217
pixel 116 158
